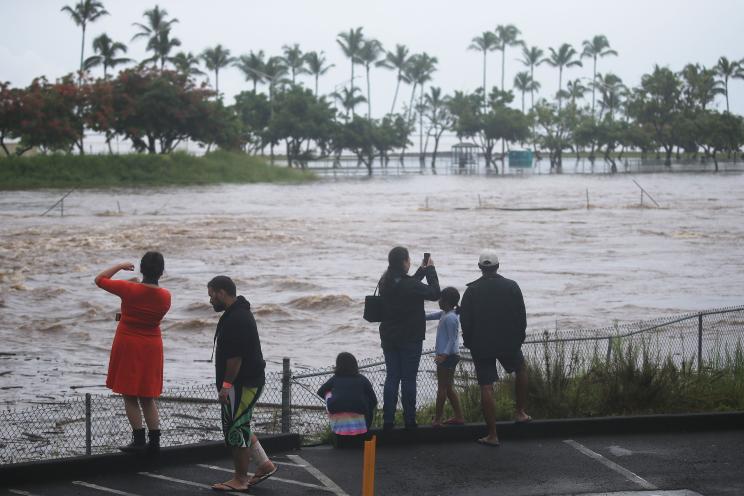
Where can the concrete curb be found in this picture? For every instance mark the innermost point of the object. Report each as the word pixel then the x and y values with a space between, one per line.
pixel 564 428
pixel 78 466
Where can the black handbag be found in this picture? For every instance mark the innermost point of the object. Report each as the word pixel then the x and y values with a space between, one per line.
pixel 374 307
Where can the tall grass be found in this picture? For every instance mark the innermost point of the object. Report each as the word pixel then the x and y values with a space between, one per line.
pixel 632 379
pixel 178 169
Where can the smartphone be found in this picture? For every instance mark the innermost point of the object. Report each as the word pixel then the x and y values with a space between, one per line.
pixel 426 258
pixel 118 316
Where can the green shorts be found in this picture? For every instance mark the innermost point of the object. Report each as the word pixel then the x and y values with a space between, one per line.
pixel 237 414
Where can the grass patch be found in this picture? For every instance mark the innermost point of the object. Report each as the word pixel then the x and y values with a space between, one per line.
pixel 177 169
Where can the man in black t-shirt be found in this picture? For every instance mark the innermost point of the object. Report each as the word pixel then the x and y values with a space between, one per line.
pixel 239 371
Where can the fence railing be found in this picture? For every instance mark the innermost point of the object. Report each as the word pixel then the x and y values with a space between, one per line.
pixel 93 424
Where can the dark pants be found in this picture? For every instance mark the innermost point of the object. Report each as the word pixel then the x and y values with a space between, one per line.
pixel 401 363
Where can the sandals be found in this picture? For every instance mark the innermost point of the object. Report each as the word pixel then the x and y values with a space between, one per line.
pixel 453 421
pixel 223 487
pixel 259 479
pixel 490 444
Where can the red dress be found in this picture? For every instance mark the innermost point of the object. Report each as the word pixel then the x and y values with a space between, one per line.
pixel 136 363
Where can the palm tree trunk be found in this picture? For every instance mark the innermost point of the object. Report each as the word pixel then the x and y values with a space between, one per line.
pixel 369 96
pixel 82 51
pixel 351 84
pixel 255 85
pixel 503 66
pixel 217 82
pixel 485 91
pixel 594 85
pixel 316 86
pixel 421 126
pixel 532 90
pixel 725 86
pixel 410 106
pixel 523 101
pixel 560 88
pixel 395 97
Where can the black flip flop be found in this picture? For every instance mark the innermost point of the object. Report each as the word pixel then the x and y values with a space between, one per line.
pixel 263 477
pixel 230 489
pixel 486 443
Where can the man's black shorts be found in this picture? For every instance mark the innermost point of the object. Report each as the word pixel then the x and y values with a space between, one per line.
pixel 485 368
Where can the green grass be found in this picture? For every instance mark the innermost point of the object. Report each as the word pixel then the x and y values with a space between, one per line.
pixel 178 169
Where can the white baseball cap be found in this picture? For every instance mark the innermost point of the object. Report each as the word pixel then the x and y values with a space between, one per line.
pixel 488 258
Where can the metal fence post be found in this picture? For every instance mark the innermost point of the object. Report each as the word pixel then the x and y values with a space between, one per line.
pixel 88 419
pixel 700 342
pixel 286 396
pixel 609 348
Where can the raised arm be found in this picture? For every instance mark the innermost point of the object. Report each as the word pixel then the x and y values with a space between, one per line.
pixel 111 271
pixel 430 290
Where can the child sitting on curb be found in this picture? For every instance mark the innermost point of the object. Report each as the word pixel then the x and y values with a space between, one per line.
pixel 349 396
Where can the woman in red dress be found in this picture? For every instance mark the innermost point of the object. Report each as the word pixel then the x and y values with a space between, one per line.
pixel 136 364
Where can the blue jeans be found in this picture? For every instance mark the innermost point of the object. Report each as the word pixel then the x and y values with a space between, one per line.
pixel 402 364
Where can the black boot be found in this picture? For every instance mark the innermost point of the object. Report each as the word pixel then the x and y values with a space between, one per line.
pixel 153 446
pixel 138 444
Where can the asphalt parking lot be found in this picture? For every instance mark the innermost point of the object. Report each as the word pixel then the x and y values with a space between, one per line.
pixel 705 464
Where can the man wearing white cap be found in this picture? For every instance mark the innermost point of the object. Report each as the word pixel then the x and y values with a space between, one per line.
pixel 494 324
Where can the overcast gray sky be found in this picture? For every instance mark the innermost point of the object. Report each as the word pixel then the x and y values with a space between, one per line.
pixel 37 39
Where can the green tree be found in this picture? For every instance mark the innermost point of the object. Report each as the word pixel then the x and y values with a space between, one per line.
pixel 350 43
pixel 369 54
pixel 728 69
pixel 348 99
pixel 611 90
pixel 294 61
pixel 420 72
pixel 215 59
pixel 157 30
pixel 187 63
pixel 575 90
pixel 486 42
pixel 719 132
pixel 317 66
pixel 523 83
pixel 253 67
pixel 507 35
pixel 656 107
pixel 107 52
pixel 595 48
pixel 700 87
pixel 254 111
pixel 531 58
pixel 298 117
pixel 565 56
pixel 439 119
pixel 399 61
pixel 553 133
pixel 83 13
pixel 10 114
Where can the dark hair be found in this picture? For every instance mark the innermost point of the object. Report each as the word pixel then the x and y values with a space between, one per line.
pixel 225 283
pixel 152 266
pixel 451 296
pixel 396 259
pixel 346 365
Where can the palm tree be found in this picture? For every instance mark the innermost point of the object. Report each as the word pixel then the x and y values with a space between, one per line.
pixel 215 59
pixel 82 13
pixel 523 82
pixel 369 54
pixel 253 67
pixel 348 99
pixel 294 60
pixel 274 71
pixel 486 42
pixel 507 35
pixel 420 72
pixel 597 47
pixel 106 50
pixel 611 90
pixel 399 61
pixel 728 69
pixel 187 63
pixel 565 56
pixel 350 44
pixel 157 32
pixel 532 57
pixel 575 90
pixel 316 66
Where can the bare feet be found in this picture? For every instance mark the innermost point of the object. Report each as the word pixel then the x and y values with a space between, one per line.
pixel 522 417
pixel 231 485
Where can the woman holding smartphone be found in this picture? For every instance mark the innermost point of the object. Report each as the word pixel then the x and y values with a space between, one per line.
pixel 136 364
pixel 402 330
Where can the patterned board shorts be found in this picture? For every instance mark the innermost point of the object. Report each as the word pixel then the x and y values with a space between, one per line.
pixel 237 414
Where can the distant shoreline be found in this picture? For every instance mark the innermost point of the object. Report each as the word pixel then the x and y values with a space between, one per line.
pixel 178 169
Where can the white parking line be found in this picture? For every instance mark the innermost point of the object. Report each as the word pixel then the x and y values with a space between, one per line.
pixel 101 488
pixel 181 481
pixel 22 493
pixel 332 486
pixel 287 464
pixel 680 492
pixel 611 465
pixel 273 478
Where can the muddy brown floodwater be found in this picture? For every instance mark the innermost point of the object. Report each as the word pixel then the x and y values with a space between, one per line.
pixel 305 256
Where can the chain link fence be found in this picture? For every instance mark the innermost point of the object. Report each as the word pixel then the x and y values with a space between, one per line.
pixel 97 424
